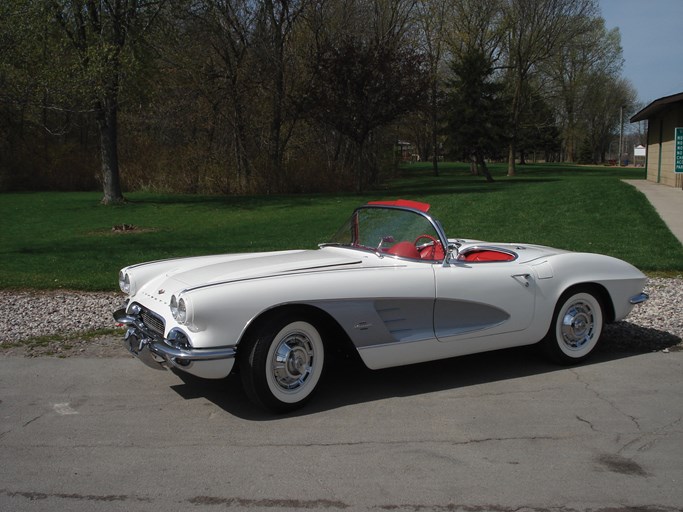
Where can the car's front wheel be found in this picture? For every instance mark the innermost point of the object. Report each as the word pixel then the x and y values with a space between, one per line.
pixel 282 361
pixel 576 327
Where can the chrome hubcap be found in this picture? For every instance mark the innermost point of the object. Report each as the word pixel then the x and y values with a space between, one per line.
pixel 293 361
pixel 578 325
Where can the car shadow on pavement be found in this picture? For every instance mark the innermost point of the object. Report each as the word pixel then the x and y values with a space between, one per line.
pixel 347 381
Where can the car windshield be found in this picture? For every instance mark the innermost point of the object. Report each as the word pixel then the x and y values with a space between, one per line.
pixel 389 230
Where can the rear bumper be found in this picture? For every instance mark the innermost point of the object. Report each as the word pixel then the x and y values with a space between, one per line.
pixel 161 353
pixel 639 299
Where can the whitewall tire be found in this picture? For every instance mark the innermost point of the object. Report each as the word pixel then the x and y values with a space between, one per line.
pixel 282 361
pixel 576 327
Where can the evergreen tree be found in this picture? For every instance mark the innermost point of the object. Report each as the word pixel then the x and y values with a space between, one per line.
pixel 476 110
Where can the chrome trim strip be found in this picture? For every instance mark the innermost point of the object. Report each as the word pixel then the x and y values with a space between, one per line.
pixel 203 354
pixel 436 225
pixel 145 263
pixel 465 252
pixel 296 271
pixel 639 299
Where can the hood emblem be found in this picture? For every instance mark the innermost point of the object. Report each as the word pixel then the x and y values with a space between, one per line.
pixel 161 292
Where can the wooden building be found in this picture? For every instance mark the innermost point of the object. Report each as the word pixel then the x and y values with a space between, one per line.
pixel 663 117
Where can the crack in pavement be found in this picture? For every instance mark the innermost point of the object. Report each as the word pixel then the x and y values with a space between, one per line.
pixel 33 496
pixel 589 387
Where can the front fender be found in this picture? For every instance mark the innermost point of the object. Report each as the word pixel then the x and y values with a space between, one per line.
pixel 229 309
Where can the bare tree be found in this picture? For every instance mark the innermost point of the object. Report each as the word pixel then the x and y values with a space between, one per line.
pixel 536 30
pixel 360 87
pixel 477 25
pixel 431 18
pixel 244 96
pixel 608 100
pixel 573 71
pixel 224 30
pixel 367 73
pixel 278 20
pixel 103 35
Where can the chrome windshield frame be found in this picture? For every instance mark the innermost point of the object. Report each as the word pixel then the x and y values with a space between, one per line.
pixel 433 222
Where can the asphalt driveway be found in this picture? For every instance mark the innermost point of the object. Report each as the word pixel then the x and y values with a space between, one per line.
pixel 493 432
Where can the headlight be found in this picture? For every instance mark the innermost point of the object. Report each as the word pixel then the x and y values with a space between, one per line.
pixel 179 308
pixel 182 311
pixel 174 307
pixel 124 282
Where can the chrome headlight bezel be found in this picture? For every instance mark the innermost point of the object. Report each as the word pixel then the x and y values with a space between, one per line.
pixel 174 307
pixel 125 283
pixel 181 310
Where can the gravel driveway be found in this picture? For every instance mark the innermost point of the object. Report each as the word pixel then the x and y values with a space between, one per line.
pixel 655 325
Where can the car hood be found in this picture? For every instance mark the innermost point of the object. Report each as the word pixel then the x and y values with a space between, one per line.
pixel 261 265
pixel 172 276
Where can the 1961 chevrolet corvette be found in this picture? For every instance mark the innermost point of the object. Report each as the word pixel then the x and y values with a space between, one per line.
pixel 390 284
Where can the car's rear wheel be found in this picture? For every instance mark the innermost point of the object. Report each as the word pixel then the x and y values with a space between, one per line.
pixel 576 327
pixel 282 361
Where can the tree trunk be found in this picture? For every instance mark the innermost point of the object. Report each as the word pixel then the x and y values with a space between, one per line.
pixel 511 158
pixel 570 157
pixel 372 170
pixel 481 163
pixel 107 124
pixel 473 165
pixel 435 127
pixel 275 156
pixel 360 163
pixel 275 145
pixel 516 107
pixel 242 160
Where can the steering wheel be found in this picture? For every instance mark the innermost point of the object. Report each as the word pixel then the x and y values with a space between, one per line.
pixel 430 252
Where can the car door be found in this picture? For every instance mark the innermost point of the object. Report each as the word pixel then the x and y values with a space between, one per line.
pixel 474 300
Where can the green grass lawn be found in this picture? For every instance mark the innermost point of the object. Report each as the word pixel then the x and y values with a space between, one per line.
pixel 65 240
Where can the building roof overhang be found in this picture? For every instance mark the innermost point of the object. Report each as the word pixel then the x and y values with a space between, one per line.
pixel 656 107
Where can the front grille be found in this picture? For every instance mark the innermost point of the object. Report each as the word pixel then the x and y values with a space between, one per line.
pixel 152 322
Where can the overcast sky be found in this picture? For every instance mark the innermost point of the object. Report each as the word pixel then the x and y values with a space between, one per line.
pixel 652 41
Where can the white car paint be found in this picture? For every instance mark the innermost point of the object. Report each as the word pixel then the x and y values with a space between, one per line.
pixel 394 310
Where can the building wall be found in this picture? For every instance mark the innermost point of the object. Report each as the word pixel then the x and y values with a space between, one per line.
pixel 661 146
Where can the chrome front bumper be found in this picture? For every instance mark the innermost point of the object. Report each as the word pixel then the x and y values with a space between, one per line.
pixel 160 353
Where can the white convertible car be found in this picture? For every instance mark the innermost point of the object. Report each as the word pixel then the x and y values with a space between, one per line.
pixel 390 284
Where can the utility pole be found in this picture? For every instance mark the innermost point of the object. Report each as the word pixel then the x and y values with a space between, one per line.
pixel 621 133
